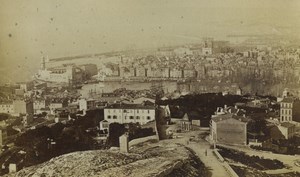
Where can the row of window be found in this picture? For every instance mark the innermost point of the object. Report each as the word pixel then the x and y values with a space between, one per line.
pixel 129 117
pixel 6 106
pixel 286 118
pixel 128 111
pixel 286 105
pixel 286 111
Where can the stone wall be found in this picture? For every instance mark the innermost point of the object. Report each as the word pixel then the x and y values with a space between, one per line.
pixel 141 140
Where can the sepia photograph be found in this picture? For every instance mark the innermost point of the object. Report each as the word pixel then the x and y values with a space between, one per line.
pixel 140 88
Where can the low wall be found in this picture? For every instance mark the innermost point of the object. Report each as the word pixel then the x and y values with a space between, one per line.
pixel 219 155
pixel 225 164
pixel 141 140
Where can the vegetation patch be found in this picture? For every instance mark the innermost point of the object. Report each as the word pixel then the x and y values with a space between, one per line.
pixel 251 161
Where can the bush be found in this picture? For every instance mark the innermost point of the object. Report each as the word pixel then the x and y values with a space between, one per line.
pixel 252 161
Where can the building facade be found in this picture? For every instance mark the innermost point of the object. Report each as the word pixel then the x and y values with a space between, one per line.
pixel 38 105
pixel 131 113
pixel 7 107
pixel 287 129
pixel 23 107
pixel 229 129
pixel 289 110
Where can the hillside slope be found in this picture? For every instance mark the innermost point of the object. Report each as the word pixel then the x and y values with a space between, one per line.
pixel 148 159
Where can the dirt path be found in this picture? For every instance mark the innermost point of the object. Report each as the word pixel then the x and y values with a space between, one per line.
pixel 200 147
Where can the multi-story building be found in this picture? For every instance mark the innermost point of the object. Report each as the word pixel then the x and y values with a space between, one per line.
pixel 176 73
pixel 289 110
pixel 287 129
pixel 7 107
pixel 39 104
pixel 23 107
pixel 86 104
pixel 129 113
pixel 229 129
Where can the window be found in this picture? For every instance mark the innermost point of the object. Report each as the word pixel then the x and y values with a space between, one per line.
pixel 137 111
pixel 108 117
pixel 130 117
pixel 148 111
pixel 138 117
pixel 108 111
pixel 114 117
pixel 148 117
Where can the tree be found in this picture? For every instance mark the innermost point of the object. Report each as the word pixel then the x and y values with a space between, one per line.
pixel 115 131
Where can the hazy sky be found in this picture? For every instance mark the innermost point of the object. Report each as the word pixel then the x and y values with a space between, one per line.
pixel 57 28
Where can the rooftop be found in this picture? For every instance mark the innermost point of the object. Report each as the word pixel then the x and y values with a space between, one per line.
pixel 230 116
pixel 129 106
pixel 287 124
pixel 288 100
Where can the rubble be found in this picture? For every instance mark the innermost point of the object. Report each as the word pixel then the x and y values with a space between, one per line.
pixel 150 159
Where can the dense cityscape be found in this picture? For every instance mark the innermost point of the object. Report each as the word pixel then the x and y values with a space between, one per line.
pixel 140 89
pixel 212 93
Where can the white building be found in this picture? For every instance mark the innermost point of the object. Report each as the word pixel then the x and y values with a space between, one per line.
pixel 129 113
pixel 22 107
pixel 287 129
pixel 53 106
pixel 38 105
pixel 7 107
pixel 58 74
pixel 287 107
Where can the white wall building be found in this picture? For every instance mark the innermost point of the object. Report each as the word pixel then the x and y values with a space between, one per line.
pixel 287 129
pixel 54 106
pixel 7 108
pixel 133 113
pixel 38 105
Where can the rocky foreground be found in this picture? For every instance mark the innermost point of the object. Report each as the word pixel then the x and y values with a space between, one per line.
pixel 148 159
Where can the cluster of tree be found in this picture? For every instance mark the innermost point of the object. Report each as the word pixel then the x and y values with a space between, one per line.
pixel 45 142
pixel 4 116
pixel 200 106
pixel 134 131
